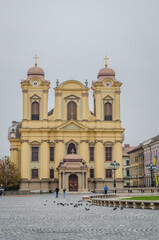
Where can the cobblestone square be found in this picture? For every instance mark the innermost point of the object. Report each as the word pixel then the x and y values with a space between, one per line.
pixel 38 217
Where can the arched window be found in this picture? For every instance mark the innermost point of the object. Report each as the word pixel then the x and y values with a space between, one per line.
pixel 35 111
pixel 71 111
pixel 108 111
pixel 71 148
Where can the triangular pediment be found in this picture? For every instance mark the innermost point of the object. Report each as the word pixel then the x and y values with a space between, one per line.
pixel 107 98
pixel 71 97
pixel 72 125
pixel 35 97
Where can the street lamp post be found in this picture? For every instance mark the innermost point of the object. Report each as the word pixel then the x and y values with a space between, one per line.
pixel 151 167
pixel 114 165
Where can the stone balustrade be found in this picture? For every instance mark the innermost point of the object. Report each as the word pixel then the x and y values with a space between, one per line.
pixel 89 197
pixel 133 190
pixel 138 204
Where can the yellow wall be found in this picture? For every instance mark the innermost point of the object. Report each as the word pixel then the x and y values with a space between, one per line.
pixel 56 129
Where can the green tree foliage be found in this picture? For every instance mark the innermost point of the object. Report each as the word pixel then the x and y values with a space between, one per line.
pixel 9 175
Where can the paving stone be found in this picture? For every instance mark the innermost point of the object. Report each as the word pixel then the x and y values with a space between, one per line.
pixel 37 217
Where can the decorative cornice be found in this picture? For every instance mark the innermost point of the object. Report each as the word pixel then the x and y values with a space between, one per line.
pixel 25 91
pixel 23 141
pixel 120 141
pixel 45 91
pixel 107 144
pixel 12 149
pixel 72 97
pixel 45 141
pixel 57 141
pixel 58 94
pixel 84 94
pixel 86 141
pixel 72 141
pixel 92 144
pixel 96 141
pixel 51 144
pixel 35 143
pixel 97 91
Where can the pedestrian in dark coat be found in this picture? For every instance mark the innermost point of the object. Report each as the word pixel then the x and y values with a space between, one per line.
pixel 57 192
pixel 64 192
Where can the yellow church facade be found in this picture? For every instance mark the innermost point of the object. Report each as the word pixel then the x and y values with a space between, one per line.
pixel 69 147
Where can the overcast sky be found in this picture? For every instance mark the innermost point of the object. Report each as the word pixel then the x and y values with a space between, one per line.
pixel 71 38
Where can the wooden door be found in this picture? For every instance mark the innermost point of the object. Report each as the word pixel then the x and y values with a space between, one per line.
pixel 73 183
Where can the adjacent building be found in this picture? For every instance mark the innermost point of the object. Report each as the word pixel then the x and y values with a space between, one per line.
pixel 137 166
pixel 151 155
pixel 69 147
pixel 126 164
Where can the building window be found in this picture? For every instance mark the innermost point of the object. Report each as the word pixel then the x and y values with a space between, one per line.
pixel 108 173
pixel 127 172
pixel 108 154
pixel 35 151
pixel 127 163
pixel 51 173
pixel 71 148
pixel 34 173
pixel 91 173
pixel 35 111
pixel 108 111
pixel 91 152
pixel 51 154
pixel 71 111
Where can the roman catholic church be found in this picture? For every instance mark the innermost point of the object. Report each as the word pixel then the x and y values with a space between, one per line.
pixel 70 146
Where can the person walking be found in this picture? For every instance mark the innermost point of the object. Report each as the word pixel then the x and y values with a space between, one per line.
pixel 105 189
pixel 57 192
pixel 64 192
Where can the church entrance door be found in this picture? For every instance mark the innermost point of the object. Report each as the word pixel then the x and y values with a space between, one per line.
pixel 73 183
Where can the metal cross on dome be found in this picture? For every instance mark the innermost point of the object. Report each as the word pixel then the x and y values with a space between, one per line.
pixel 57 83
pixel 86 83
pixel 106 63
pixel 36 60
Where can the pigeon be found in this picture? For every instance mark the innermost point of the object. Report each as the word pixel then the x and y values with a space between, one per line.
pixel 75 205
pixel 114 208
pixel 54 201
pixel 121 208
pixel 46 200
pixel 44 204
pixel 87 209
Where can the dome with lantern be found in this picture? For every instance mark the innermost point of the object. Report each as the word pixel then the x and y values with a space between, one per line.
pixel 34 72
pixel 106 73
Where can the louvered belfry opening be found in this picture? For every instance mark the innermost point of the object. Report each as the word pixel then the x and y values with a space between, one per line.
pixel 71 111
pixel 108 111
pixel 35 111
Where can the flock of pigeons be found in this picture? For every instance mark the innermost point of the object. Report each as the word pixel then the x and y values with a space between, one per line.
pixel 78 204
pixel 75 205
pixel 116 208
